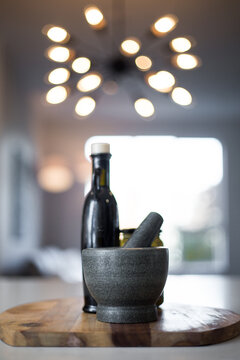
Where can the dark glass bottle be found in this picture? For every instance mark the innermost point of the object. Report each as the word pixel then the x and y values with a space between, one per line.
pixel 100 224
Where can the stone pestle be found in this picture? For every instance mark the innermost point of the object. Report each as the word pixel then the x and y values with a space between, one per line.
pixel 144 235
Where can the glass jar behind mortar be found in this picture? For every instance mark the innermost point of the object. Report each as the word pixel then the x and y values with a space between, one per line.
pixel 125 234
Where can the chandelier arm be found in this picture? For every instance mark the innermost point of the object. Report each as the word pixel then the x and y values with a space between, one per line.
pixel 118 23
pixel 100 36
pixel 159 42
pixel 134 88
pixel 89 49
pixel 142 84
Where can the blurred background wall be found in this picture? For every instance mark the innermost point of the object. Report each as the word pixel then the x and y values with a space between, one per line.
pixel 32 131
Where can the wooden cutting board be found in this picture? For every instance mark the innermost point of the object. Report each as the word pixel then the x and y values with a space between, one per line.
pixel 61 322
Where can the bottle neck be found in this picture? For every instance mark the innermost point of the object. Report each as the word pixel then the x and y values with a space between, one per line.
pixel 100 170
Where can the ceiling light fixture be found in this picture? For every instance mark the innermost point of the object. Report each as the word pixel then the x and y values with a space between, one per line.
pixel 95 17
pixel 130 46
pixel 186 61
pixel 58 53
pixel 180 44
pixel 89 82
pixel 107 74
pixel 58 76
pixel 110 87
pixel 56 33
pixel 143 63
pixel 85 106
pixel 56 95
pixel 181 96
pixel 144 107
pixel 164 25
pixel 162 81
pixel 81 65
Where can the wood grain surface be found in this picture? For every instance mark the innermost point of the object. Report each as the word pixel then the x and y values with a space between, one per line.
pixel 61 322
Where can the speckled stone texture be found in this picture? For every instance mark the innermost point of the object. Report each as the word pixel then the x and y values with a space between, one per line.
pixel 144 235
pixel 125 282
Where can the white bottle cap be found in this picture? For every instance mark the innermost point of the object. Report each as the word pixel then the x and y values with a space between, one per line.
pixel 100 148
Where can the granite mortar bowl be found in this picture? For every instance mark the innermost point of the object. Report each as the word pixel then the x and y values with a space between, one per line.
pixel 125 282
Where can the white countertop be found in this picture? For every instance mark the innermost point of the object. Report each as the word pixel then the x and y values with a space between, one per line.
pixel 208 290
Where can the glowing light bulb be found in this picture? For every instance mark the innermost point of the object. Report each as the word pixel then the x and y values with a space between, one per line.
pixel 58 76
pixel 55 178
pixel 56 95
pixel 162 81
pixel 180 44
pixel 58 53
pixel 94 17
pixel 58 34
pixel 85 106
pixel 144 63
pixel 181 96
pixel 81 65
pixel 89 82
pixel 130 46
pixel 164 24
pixel 110 87
pixel 144 107
pixel 186 61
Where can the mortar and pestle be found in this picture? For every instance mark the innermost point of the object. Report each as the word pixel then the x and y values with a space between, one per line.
pixel 126 282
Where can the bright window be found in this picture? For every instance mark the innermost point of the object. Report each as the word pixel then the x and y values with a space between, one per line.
pixel 181 178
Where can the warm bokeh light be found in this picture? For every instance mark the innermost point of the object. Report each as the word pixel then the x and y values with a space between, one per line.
pixel 181 96
pixel 162 81
pixel 58 76
pixel 81 65
pixel 85 106
pixel 144 107
pixel 58 53
pixel 56 95
pixel 143 63
pixel 55 178
pixel 180 44
pixel 94 17
pixel 164 24
pixel 130 46
pixel 186 61
pixel 89 82
pixel 110 87
pixel 58 34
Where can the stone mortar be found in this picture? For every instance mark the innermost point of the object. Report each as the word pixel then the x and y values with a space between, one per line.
pixel 125 282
